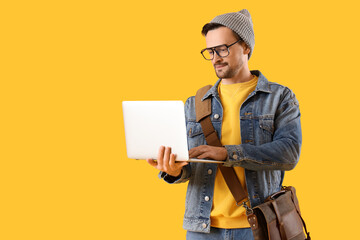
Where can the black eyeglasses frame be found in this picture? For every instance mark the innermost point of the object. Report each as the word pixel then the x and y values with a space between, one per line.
pixel 214 50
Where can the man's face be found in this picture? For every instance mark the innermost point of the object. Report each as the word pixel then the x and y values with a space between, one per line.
pixel 230 66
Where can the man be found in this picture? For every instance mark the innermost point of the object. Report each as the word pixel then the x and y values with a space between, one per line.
pixel 258 123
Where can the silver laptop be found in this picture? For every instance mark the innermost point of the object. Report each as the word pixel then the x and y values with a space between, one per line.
pixel 151 124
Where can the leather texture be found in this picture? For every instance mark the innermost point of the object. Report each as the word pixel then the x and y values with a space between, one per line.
pixel 203 108
pixel 279 219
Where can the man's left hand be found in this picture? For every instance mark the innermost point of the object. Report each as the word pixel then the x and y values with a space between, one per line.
pixel 209 152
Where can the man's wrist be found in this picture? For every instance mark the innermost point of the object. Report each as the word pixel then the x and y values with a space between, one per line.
pixel 171 179
pixel 225 153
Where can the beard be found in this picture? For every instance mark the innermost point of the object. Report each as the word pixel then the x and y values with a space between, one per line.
pixel 225 72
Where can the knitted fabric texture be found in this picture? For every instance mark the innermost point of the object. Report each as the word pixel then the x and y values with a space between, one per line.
pixel 241 23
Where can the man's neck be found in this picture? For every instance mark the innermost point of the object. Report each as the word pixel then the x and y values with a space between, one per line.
pixel 241 77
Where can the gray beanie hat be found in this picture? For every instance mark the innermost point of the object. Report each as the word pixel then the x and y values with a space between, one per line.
pixel 241 23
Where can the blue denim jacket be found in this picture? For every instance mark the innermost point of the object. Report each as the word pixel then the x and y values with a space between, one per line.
pixel 271 141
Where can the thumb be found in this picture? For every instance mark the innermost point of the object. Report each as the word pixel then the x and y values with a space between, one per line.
pixel 151 162
pixel 183 164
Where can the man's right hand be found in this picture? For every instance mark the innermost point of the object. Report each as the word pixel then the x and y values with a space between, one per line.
pixel 166 162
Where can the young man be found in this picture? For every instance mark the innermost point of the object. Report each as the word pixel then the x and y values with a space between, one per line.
pixel 258 123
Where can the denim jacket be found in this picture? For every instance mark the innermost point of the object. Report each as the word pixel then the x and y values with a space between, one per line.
pixel 271 142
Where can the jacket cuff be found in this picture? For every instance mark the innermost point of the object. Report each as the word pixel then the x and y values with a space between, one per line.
pixel 235 155
pixel 171 179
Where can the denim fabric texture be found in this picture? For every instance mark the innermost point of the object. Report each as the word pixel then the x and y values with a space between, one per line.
pixel 271 142
pixel 222 234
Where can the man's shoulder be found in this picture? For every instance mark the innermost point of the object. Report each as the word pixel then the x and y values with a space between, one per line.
pixel 273 87
pixel 270 86
pixel 204 90
pixel 283 93
pixel 190 101
pixel 276 85
pixel 190 114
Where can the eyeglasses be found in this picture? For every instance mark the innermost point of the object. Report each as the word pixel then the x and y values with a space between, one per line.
pixel 221 51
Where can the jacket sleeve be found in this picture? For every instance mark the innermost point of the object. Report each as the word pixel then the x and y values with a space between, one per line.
pixel 283 152
pixel 184 176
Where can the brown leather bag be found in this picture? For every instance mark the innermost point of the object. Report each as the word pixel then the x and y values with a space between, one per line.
pixel 279 217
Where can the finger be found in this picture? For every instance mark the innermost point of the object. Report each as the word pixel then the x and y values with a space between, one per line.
pixel 204 155
pixel 194 152
pixel 191 151
pixel 182 164
pixel 151 162
pixel 176 165
pixel 160 156
pixel 172 161
pixel 194 149
pixel 166 159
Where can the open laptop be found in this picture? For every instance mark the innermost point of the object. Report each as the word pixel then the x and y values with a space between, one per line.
pixel 151 124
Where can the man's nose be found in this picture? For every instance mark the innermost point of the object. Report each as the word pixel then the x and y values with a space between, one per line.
pixel 217 58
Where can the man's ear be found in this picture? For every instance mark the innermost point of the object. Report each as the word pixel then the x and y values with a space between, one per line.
pixel 246 49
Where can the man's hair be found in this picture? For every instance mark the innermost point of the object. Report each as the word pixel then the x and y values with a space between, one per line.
pixel 212 26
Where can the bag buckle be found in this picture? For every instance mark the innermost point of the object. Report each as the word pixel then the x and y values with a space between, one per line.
pixel 248 209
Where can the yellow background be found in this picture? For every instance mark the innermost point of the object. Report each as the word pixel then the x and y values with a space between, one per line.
pixel 66 66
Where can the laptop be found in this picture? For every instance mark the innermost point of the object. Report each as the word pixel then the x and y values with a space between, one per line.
pixel 151 124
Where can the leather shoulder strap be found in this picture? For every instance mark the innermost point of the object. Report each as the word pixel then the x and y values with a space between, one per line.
pixel 203 112
pixel 202 108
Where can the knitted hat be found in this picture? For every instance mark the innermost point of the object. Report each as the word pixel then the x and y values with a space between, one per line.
pixel 241 23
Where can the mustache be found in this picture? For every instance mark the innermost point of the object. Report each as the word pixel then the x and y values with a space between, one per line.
pixel 220 64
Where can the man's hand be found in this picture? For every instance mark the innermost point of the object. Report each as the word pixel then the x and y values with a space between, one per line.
pixel 166 162
pixel 210 152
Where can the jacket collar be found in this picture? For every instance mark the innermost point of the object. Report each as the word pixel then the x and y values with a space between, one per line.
pixel 262 86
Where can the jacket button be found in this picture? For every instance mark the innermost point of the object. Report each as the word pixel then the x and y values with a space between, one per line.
pixel 207 198
pixel 235 156
pixel 216 116
pixel 209 171
pixel 204 225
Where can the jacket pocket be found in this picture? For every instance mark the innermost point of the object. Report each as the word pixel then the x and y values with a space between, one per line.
pixel 267 129
pixel 267 124
pixel 195 135
pixel 194 129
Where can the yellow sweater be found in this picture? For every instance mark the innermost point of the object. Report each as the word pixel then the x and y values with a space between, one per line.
pixel 225 213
